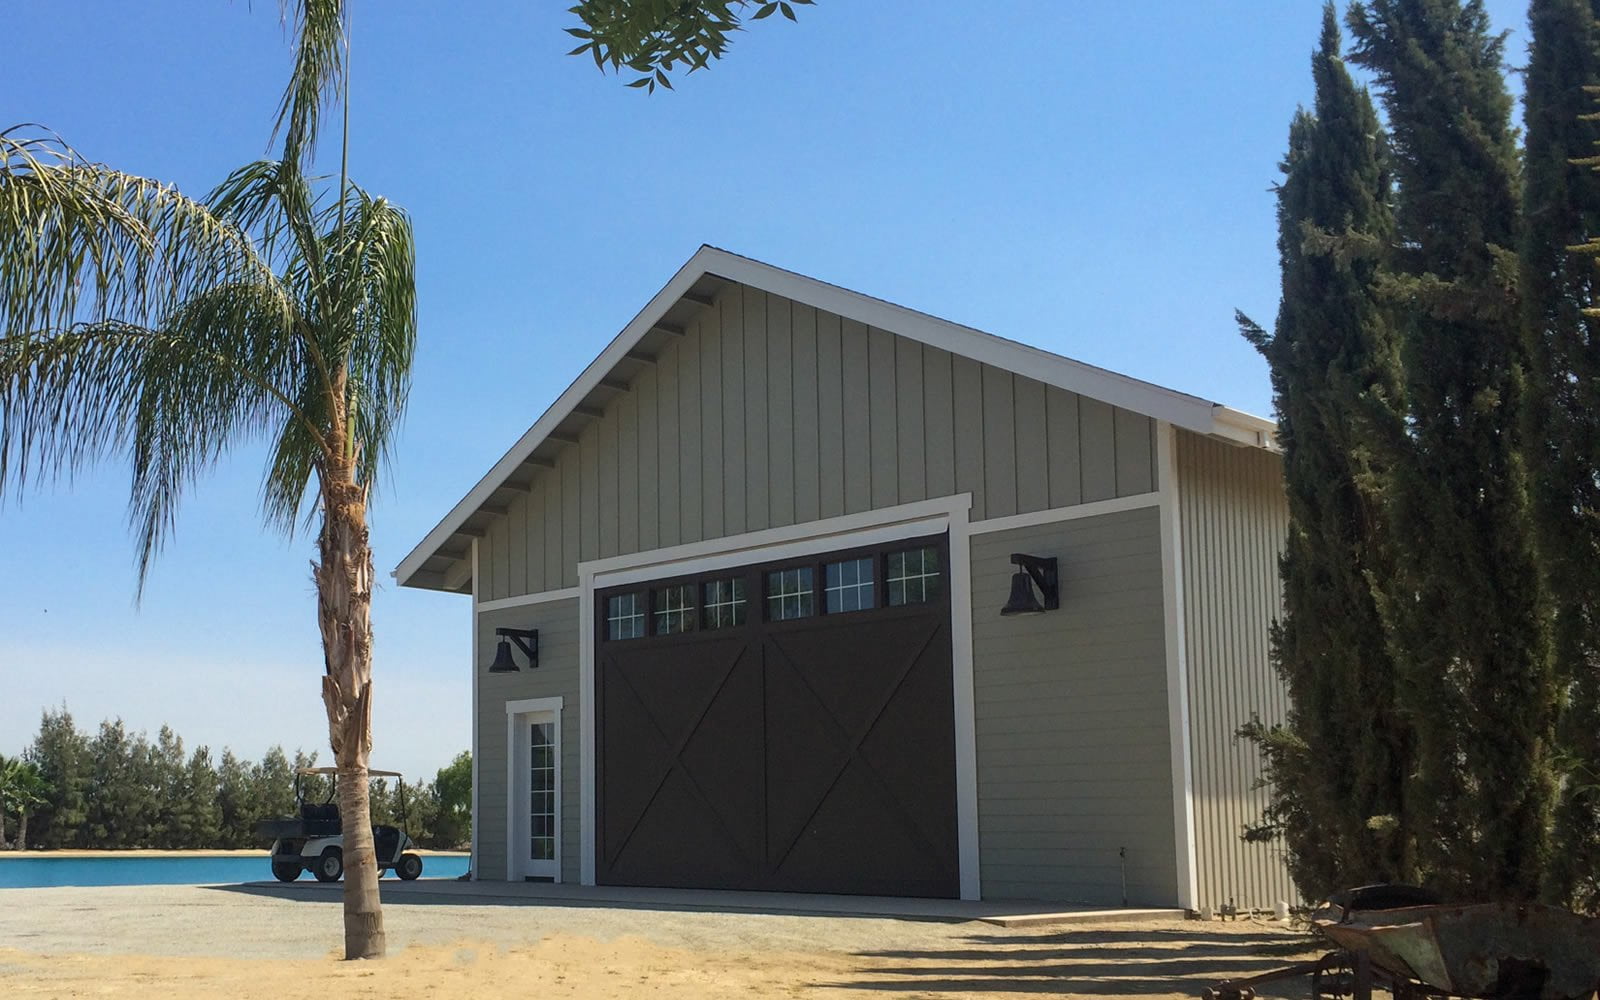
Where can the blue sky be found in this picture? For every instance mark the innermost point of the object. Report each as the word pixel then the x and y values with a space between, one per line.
pixel 1093 179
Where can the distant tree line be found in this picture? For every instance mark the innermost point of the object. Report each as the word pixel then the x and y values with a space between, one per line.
pixel 117 789
pixel 1436 367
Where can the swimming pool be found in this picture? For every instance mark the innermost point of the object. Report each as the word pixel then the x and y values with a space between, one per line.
pixel 196 869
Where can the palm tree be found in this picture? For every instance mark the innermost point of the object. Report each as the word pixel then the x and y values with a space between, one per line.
pixel 22 788
pixel 138 323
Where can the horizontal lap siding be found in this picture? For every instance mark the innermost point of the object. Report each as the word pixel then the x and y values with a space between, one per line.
pixel 556 675
pixel 769 412
pixel 1233 519
pixel 1074 761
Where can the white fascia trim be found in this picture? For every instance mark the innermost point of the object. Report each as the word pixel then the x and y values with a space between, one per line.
pixel 866 528
pixel 1245 428
pixel 1180 409
pixel 1177 667
pixel 527 600
pixel 1056 514
pixel 585 383
pixel 1111 387
pixel 515 784
pixel 477 751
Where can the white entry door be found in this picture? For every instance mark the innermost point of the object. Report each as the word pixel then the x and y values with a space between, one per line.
pixel 534 832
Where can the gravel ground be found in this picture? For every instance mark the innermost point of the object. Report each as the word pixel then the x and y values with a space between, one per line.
pixel 185 940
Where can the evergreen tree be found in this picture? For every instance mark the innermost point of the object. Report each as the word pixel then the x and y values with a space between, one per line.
pixel 198 817
pixel 1462 606
pixel 168 765
pixel 236 808
pixel 1561 209
pixel 61 754
pixel 1335 767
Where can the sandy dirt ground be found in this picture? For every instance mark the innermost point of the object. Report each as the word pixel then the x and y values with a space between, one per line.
pixel 182 941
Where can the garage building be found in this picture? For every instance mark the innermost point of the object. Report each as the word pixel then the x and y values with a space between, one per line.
pixel 765 541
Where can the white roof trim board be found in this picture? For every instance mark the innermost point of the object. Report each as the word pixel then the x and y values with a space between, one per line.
pixel 1180 409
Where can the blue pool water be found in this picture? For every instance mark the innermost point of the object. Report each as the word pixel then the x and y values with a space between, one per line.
pixel 21 873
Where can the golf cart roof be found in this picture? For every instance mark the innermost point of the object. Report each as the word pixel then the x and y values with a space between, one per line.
pixel 371 772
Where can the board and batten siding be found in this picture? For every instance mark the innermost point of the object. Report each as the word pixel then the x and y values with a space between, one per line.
pixel 556 676
pixel 1074 752
pixel 1234 520
pixel 769 412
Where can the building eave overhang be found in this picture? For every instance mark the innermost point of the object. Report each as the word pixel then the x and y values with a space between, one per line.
pixel 436 562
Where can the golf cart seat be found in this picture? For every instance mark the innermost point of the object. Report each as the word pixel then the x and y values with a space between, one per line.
pixel 321 818
pixel 385 843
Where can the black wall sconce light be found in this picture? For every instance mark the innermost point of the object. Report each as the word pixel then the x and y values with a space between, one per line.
pixel 1031 571
pixel 527 640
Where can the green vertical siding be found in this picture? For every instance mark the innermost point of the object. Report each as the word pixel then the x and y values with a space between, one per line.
pixel 1233 518
pixel 768 412
pixel 557 676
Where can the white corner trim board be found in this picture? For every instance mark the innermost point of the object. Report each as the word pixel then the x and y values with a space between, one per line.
pixel 873 527
pixel 1177 666
pixel 477 751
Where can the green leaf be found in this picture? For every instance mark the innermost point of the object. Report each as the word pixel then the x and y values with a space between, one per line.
pixel 765 11
pixel 788 11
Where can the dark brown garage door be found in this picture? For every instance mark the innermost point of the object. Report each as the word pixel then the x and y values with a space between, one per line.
pixel 786 726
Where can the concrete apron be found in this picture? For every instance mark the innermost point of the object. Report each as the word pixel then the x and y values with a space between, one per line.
pixel 1013 913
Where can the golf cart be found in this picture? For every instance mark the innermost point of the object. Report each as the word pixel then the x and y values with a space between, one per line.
pixel 314 840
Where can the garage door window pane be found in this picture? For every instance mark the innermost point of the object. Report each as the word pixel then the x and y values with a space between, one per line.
pixel 675 609
pixel 849 585
pixel 790 594
pixel 913 576
pixel 725 603
pixel 625 616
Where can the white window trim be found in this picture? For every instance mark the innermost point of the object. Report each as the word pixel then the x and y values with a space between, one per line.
pixel 518 714
pixel 925 517
pixel 1177 666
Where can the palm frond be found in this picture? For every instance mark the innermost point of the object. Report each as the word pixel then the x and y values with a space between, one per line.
pixel 173 399
pixel 82 242
pixel 319 68
pixel 374 270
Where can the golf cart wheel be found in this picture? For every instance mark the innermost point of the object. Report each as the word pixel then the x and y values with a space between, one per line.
pixel 285 871
pixel 410 867
pixel 330 866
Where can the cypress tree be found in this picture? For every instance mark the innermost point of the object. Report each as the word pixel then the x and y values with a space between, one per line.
pixel 1462 606
pixel 1335 766
pixel 1561 209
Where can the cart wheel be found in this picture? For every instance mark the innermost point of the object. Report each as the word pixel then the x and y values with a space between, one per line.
pixel 285 871
pixel 330 866
pixel 410 867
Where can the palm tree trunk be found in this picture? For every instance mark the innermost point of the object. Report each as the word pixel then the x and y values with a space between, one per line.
pixel 344 612
pixel 22 831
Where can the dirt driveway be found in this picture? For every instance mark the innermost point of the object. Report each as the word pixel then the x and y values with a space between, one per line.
pixel 151 941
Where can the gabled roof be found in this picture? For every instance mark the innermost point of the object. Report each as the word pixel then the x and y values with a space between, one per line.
pixel 692 289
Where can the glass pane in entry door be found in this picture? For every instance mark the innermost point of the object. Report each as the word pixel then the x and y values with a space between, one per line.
pixel 542 792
